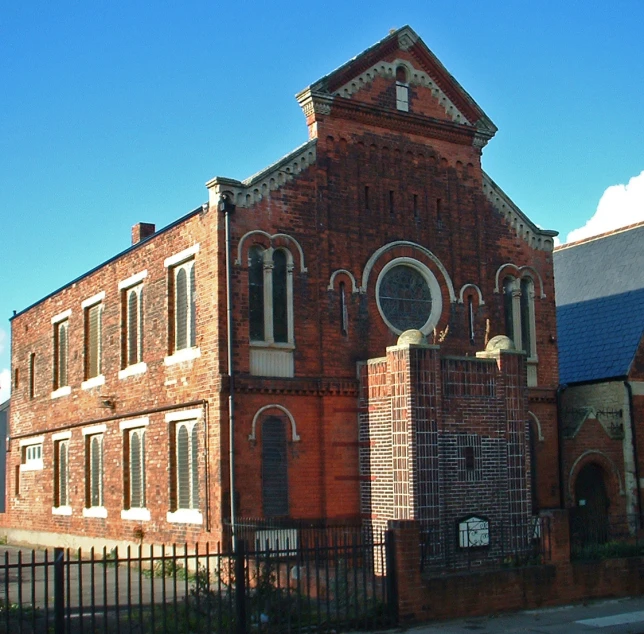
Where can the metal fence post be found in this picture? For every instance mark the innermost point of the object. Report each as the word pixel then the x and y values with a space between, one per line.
pixel 240 585
pixel 59 591
pixel 392 587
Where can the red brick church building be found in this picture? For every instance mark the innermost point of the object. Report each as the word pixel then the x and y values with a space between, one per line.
pixel 382 222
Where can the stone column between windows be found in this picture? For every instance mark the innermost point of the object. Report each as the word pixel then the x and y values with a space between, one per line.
pixel 289 298
pixel 268 295
pixel 532 353
pixel 516 314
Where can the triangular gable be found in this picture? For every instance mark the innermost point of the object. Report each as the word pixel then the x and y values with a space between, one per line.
pixel 425 73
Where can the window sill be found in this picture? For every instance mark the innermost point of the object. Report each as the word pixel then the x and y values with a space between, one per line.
pixel 132 370
pixel 139 515
pixel 185 516
pixel 187 354
pixel 33 465
pixel 61 510
pixel 95 511
pixel 272 345
pixel 61 391
pixel 95 381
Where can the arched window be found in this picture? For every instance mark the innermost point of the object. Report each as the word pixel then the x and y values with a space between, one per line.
pixel 344 317
pixel 256 293
pixel 274 468
pixel 280 297
pixel 518 306
pixel 509 284
pixel 402 89
pixel 270 311
pixel 270 296
pixel 527 305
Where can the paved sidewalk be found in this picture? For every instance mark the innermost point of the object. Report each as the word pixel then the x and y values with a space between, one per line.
pixel 616 616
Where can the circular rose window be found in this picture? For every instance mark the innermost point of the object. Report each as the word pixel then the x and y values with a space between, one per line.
pixel 408 296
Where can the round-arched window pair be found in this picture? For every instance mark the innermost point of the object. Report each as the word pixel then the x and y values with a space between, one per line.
pixel 408 296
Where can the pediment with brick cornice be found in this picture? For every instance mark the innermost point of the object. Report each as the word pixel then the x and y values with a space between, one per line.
pixel 330 94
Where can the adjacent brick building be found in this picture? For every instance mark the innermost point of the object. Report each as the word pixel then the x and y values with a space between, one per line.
pixel 382 222
pixel 600 312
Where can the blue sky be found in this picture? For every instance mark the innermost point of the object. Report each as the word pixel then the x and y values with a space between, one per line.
pixel 117 112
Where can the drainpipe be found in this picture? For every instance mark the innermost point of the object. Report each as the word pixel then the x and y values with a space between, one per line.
pixel 227 207
pixel 562 486
pixel 629 391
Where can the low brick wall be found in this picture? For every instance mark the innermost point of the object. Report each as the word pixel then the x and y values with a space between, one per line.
pixel 478 593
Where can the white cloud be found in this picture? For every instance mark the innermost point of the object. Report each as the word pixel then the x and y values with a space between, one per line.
pixel 5 385
pixel 620 205
pixel 3 338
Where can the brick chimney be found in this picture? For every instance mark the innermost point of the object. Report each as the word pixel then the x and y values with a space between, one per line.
pixel 141 231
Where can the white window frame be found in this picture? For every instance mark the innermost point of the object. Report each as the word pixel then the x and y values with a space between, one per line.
pixel 56 321
pixel 139 514
pixel 87 305
pixel 183 260
pixel 31 454
pixel 63 509
pixel 89 433
pixel 189 418
pixel 402 96
pixel 133 284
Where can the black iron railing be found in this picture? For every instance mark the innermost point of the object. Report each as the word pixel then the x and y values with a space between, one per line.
pixel 484 544
pixel 595 535
pixel 339 584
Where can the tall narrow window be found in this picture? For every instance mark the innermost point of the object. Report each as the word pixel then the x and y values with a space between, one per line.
pixel 526 315
pixel 415 205
pixel 508 307
pixel 94 471
pixel 280 297
pixel 61 473
pixel 186 466
pixel 135 469
pixel 93 341
pixel 184 327
pixel 366 196
pixel 274 468
pixel 470 317
pixel 32 375
pixel 439 212
pixel 133 322
pixel 391 201
pixel 256 293
pixel 344 317
pixel 402 89
pixel 60 354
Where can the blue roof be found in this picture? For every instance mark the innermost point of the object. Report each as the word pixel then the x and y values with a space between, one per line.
pixel 599 290
pixel 598 339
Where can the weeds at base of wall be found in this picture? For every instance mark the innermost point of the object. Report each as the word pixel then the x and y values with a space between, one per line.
pixel 609 550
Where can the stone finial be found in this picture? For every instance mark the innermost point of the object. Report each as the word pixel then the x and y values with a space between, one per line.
pixel 413 337
pixel 500 342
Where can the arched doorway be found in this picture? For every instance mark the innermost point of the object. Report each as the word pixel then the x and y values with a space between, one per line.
pixel 590 515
